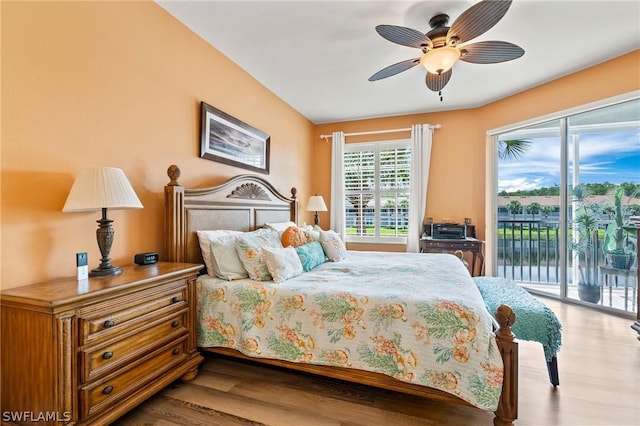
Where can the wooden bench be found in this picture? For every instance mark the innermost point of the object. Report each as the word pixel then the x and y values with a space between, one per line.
pixel 536 322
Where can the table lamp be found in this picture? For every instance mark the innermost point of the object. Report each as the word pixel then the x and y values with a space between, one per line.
pixel 102 188
pixel 316 203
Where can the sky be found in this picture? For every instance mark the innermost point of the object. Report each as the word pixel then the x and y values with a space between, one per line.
pixel 604 157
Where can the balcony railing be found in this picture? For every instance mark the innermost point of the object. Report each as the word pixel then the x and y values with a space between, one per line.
pixel 529 250
pixel 529 253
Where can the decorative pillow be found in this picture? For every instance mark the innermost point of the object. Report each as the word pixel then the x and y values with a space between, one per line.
pixel 250 250
pixel 311 233
pixel 333 246
pixel 283 263
pixel 278 226
pixel 204 238
pixel 293 236
pixel 311 255
pixel 225 260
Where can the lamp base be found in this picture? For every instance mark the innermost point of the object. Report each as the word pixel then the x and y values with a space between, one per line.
pixel 104 235
pixel 101 272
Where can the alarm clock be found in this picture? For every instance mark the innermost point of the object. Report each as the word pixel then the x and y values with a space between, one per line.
pixel 146 258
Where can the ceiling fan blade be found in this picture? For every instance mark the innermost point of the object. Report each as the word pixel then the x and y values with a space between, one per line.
pixel 490 52
pixel 436 82
pixel 395 69
pixel 478 19
pixel 404 36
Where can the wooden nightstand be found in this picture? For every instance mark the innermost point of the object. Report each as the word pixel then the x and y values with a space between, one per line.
pixel 83 352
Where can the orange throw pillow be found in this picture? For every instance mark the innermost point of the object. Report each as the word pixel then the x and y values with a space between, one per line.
pixel 294 237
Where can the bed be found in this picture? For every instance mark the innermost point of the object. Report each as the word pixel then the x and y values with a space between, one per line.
pixel 437 343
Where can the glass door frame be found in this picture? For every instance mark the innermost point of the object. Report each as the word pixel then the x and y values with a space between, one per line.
pixel 491 185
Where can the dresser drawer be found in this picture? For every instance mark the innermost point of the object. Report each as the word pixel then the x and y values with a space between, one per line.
pixel 96 361
pixel 458 246
pixel 105 393
pixel 111 318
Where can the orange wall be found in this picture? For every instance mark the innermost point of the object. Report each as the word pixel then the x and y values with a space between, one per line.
pixel 119 84
pixel 457 175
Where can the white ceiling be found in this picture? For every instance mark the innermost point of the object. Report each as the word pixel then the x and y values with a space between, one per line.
pixel 318 55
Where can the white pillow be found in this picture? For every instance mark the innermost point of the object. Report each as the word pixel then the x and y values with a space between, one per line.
pixel 225 260
pixel 204 238
pixel 283 263
pixel 333 246
pixel 279 226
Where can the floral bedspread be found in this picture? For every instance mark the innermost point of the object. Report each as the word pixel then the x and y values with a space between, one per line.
pixel 416 317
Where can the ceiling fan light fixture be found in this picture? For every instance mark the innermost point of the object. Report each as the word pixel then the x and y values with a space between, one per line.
pixel 440 60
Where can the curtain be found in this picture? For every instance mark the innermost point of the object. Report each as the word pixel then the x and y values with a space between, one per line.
pixel 337 184
pixel 420 158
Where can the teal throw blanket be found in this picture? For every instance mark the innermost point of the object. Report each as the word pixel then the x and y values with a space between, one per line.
pixel 534 320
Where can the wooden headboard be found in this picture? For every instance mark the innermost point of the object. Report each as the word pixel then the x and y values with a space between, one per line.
pixel 243 203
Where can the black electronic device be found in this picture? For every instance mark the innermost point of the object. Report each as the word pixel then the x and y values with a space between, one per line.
pixel 146 258
pixel 448 231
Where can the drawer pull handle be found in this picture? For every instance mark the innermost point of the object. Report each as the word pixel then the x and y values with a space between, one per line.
pixel 175 323
pixel 109 323
pixel 175 299
pixel 107 390
pixel 176 351
pixel 107 355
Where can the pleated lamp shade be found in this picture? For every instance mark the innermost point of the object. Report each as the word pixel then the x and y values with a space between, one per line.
pixel 101 187
pixel 316 204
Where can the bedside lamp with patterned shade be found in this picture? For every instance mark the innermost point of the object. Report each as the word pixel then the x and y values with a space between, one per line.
pixel 316 204
pixel 102 188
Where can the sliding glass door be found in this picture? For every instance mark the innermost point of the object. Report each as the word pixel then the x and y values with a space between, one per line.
pixel 528 231
pixel 566 189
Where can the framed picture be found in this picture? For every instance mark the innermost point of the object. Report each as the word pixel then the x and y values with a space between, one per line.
pixel 226 139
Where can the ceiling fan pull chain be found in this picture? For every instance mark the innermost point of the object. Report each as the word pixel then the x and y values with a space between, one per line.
pixel 440 94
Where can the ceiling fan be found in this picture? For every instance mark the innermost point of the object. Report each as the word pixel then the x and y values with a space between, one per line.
pixel 443 46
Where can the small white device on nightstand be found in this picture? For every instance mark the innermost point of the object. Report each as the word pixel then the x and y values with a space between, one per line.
pixel 82 265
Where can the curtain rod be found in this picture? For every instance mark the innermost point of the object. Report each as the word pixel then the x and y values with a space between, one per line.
pixel 377 132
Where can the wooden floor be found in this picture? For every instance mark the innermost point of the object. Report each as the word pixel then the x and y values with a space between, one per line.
pixel 599 365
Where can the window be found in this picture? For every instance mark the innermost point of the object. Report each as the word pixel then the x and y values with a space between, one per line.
pixel 377 190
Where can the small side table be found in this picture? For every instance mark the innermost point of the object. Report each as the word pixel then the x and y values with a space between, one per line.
pixel 473 245
pixel 606 271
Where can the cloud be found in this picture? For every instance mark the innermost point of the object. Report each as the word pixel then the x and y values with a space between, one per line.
pixel 519 184
pixel 604 157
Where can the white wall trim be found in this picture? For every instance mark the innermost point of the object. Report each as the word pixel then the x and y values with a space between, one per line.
pixel 566 112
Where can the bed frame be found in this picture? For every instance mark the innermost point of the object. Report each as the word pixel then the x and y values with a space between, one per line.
pixel 245 203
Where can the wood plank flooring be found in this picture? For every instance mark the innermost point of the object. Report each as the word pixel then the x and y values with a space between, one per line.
pixel 599 365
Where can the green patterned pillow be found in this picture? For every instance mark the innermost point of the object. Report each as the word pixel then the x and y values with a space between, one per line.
pixel 311 255
pixel 249 247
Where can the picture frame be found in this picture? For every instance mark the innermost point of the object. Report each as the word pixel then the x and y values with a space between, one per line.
pixel 227 140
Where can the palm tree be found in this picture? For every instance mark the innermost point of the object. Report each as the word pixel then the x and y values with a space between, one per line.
pixel 546 210
pixel 514 207
pixel 359 203
pixel 512 149
pixel 533 209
